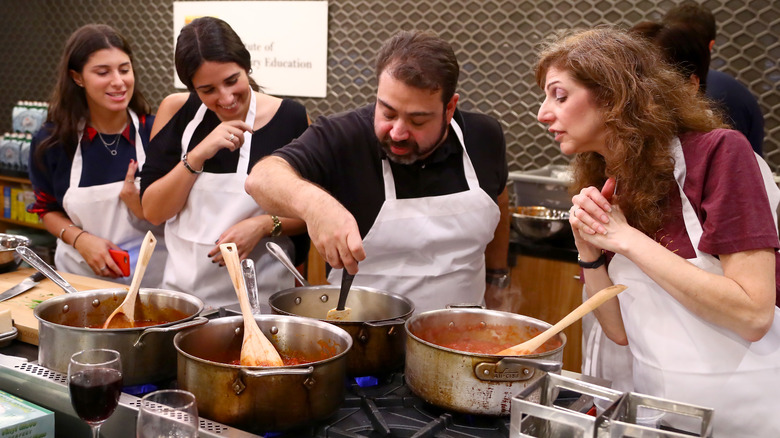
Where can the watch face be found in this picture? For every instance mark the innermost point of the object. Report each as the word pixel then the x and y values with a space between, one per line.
pixel 277 229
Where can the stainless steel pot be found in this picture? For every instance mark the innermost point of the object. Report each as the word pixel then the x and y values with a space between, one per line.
pixel 375 323
pixel 148 355
pixel 470 382
pixel 259 399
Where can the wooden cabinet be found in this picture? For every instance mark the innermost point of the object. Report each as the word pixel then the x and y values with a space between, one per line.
pixel 548 290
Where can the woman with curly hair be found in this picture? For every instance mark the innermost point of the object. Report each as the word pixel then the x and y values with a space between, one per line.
pixel 684 210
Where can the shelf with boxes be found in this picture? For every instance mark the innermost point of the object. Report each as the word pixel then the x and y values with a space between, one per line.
pixel 15 189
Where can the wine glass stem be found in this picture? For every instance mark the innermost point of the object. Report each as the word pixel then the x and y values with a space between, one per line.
pixel 95 431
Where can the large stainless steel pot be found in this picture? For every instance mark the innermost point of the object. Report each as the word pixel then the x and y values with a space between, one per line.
pixel 470 382
pixel 375 323
pixel 148 355
pixel 262 399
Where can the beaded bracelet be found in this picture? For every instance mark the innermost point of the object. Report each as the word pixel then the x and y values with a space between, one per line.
pixel 77 238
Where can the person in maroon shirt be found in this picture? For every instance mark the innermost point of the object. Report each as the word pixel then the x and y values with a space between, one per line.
pixel 687 210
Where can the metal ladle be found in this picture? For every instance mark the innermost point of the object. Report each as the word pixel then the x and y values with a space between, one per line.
pixel 280 255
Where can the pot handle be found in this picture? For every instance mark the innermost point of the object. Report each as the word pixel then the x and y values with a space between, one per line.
pixel 239 386
pixel 465 306
pixel 198 320
pixel 44 268
pixel 514 369
pixel 397 321
pixel 276 371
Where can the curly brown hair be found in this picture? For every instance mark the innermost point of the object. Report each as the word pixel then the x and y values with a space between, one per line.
pixel 645 105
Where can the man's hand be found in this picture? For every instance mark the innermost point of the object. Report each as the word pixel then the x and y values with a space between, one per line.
pixel 336 235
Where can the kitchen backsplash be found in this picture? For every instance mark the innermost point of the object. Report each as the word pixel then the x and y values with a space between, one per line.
pixel 494 39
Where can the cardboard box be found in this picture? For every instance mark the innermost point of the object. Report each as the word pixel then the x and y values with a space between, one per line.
pixel 22 419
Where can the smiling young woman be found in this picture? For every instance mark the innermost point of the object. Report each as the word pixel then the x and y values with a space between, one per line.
pixel 205 142
pixel 86 156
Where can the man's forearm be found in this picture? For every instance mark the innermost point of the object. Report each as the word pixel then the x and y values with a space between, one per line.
pixel 279 189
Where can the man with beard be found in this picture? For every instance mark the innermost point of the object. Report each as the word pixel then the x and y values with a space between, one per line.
pixel 411 187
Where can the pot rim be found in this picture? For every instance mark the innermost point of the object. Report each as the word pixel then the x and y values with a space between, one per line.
pixel 298 319
pixel 404 316
pixel 495 313
pixel 120 290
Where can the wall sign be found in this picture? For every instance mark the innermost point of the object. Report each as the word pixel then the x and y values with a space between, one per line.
pixel 288 40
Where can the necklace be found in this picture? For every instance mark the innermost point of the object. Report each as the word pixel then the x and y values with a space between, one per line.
pixel 108 145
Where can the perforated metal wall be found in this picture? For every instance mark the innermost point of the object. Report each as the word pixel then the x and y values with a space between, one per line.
pixel 494 40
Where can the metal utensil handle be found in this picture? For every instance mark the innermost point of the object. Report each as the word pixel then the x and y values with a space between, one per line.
pixel 198 320
pixel 346 284
pixel 280 255
pixel 36 262
pixel 248 269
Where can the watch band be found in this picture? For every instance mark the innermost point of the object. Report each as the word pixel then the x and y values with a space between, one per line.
pixel 276 231
pixel 594 264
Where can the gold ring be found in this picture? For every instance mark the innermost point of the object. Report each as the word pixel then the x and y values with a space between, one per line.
pixel 231 137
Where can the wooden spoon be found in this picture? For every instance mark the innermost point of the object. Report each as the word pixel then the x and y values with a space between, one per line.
pixel 124 315
pixel 586 307
pixel 256 349
pixel 341 313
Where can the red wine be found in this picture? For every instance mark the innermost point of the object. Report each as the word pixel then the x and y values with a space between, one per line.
pixel 94 393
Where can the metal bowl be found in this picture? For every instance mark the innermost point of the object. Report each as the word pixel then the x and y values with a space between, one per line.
pixel 539 223
pixel 9 258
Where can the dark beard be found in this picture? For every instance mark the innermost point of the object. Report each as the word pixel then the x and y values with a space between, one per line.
pixel 415 154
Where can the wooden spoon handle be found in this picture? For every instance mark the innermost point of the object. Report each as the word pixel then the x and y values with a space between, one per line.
pixel 145 254
pixel 583 309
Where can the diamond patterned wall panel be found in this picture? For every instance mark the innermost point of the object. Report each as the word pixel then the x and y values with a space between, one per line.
pixel 494 39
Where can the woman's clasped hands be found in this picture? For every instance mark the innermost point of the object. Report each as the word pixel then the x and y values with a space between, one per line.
pixel 595 221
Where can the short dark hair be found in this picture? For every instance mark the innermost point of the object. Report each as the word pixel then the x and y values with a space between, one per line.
pixel 680 46
pixel 209 39
pixel 420 60
pixel 696 15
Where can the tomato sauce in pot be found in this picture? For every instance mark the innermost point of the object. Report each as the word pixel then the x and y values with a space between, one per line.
pixel 484 338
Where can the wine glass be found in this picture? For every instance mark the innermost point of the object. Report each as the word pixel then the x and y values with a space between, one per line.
pixel 168 413
pixel 95 384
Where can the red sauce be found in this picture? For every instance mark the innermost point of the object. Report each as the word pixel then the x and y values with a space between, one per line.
pixel 484 339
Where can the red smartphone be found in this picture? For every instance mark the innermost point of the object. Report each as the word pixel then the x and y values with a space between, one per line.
pixel 122 259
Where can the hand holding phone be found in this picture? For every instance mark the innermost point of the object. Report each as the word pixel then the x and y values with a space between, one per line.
pixel 122 259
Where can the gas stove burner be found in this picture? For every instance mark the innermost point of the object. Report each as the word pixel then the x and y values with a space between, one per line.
pixel 390 410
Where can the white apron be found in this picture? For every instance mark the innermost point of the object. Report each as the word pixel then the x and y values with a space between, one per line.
pixel 430 250
pixel 99 211
pixel 216 202
pixel 607 360
pixel 679 356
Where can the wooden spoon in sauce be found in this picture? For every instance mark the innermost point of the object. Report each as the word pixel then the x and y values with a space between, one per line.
pixel 124 315
pixel 256 349
pixel 586 307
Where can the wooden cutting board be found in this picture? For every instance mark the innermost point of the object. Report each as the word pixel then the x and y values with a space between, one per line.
pixel 22 306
